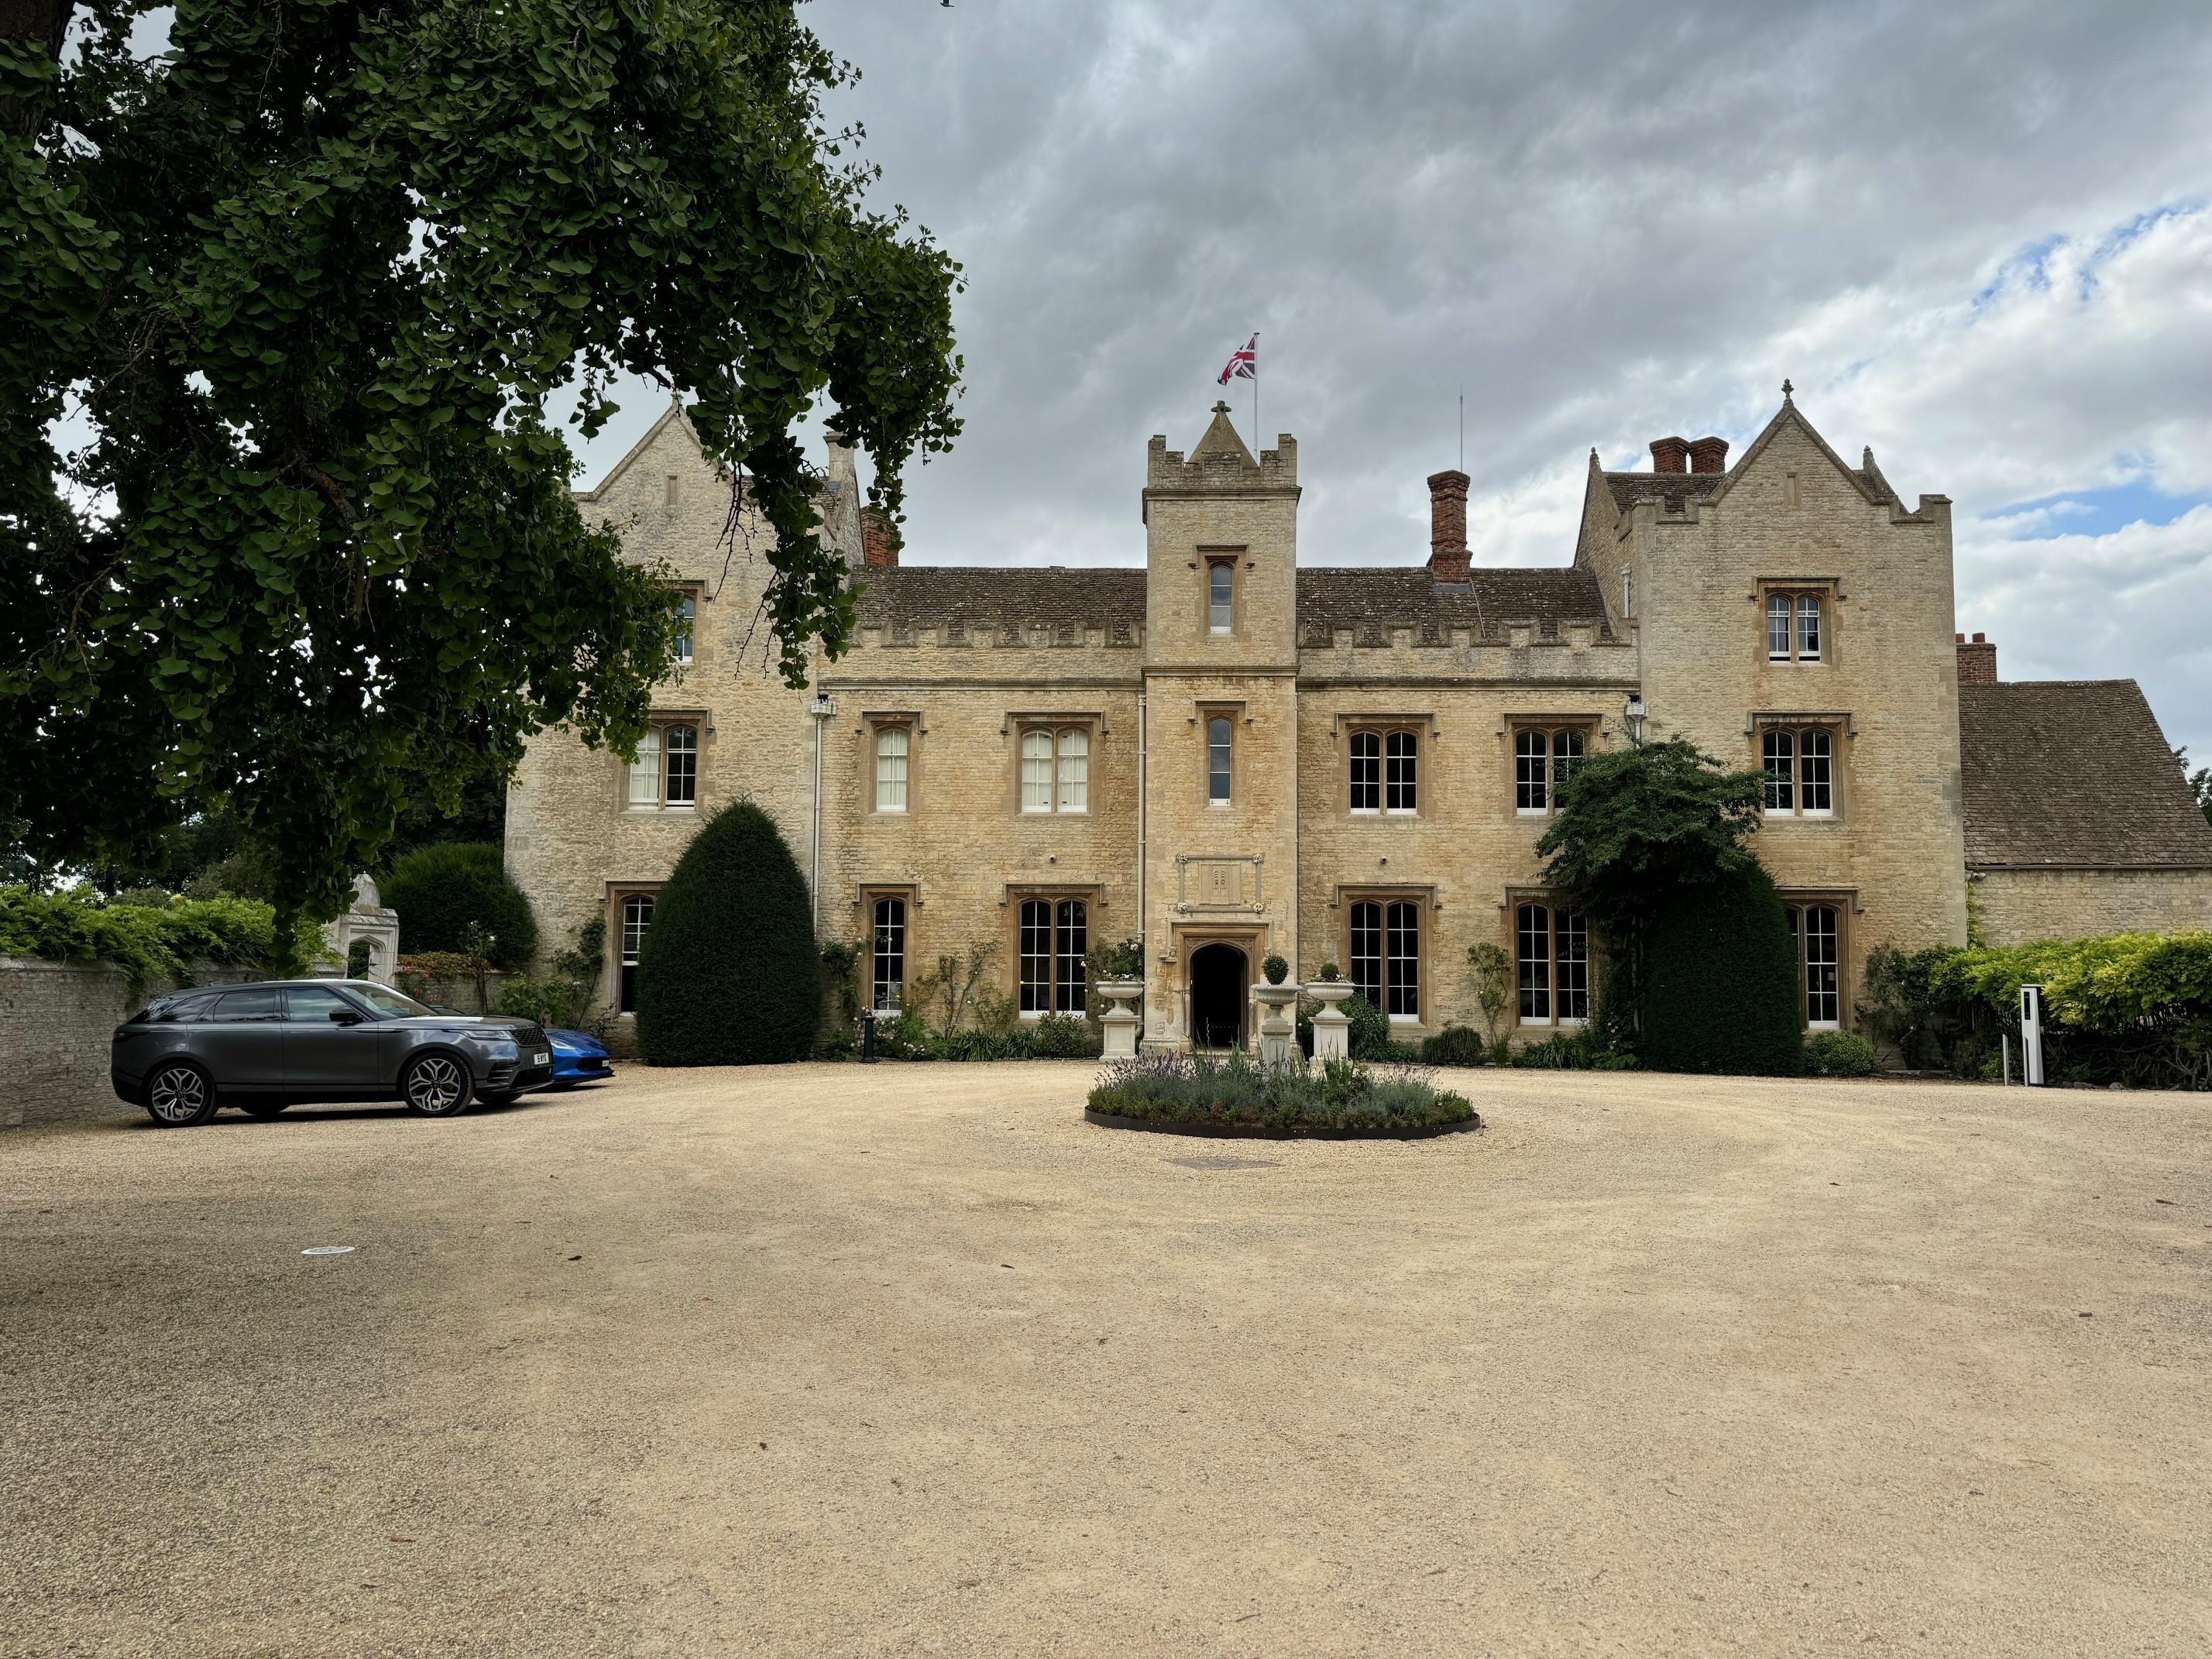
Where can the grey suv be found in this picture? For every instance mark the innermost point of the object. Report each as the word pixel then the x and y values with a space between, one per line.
pixel 266 1047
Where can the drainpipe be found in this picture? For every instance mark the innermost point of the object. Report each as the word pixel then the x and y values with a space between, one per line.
pixel 1143 919
pixel 821 709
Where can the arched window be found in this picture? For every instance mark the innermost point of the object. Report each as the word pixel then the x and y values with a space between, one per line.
pixel 1816 778
pixel 888 977
pixel 636 917
pixel 1220 752
pixel 1055 935
pixel 1823 967
pixel 1398 769
pixel 681 743
pixel 1780 751
pixel 1778 628
pixel 1794 627
pixel 1531 750
pixel 1075 771
pixel 1809 628
pixel 1367 951
pixel 1036 771
pixel 1401 961
pixel 1533 928
pixel 1366 771
pixel 892 743
pixel 1220 594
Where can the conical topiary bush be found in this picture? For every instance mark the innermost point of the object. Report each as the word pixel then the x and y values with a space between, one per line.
pixel 726 974
pixel 1722 989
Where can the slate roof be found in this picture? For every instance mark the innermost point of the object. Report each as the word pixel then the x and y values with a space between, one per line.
pixel 1367 599
pixel 2073 773
pixel 986 597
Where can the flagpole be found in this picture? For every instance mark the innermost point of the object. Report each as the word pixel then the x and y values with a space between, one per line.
pixel 1255 397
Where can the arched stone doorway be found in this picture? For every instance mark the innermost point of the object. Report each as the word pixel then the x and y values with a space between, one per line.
pixel 1220 975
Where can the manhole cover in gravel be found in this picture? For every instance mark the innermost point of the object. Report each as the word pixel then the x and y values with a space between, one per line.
pixel 1220 1161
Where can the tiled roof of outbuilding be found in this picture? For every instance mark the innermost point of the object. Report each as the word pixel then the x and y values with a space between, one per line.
pixel 2059 773
pixel 986 597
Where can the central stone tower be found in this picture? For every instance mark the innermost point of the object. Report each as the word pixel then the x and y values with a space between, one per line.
pixel 1220 784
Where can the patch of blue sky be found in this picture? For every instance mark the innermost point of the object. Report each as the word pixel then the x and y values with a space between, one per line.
pixel 2095 512
pixel 2029 267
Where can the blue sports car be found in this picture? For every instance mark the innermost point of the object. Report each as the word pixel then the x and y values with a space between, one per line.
pixel 577 1059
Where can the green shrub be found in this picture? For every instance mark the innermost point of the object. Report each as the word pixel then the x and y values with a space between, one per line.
pixel 1329 974
pixel 1063 1036
pixel 357 959
pixel 1276 970
pixel 1455 1045
pixel 1122 961
pixel 728 973
pixel 1721 987
pixel 151 942
pixel 1571 1051
pixel 1839 1054
pixel 548 1001
pixel 1235 1093
pixel 439 890
pixel 1370 1034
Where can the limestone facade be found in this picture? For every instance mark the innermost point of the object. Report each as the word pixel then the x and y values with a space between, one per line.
pixel 1229 755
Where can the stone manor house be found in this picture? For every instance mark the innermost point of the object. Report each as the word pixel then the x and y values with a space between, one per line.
pixel 1229 753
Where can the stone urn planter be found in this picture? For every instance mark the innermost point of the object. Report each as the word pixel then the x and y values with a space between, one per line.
pixel 1278 1036
pixel 1119 1022
pixel 1332 1025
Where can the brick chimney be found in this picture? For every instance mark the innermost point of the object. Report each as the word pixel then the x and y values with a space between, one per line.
pixel 1978 660
pixel 876 551
pixel 1670 455
pixel 1709 455
pixel 1447 557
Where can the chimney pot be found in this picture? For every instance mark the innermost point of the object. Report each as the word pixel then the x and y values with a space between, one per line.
pixel 877 552
pixel 1977 660
pixel 1709 455
pixel 1448 555
pixel 1670 455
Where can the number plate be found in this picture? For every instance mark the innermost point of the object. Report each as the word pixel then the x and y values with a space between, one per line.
pixel 543 1057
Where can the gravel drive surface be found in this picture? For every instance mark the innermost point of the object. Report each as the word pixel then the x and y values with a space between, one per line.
pixel 824 1360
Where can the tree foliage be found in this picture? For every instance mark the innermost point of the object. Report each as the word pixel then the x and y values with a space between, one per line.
pixel 726 974
pixel 309 277
pixel 1719 990
pixel 442 890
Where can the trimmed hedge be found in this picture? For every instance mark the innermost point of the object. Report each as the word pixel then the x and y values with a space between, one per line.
pixel 1456 1045
pixel 1839 1054
pixel 1722 982
pixel 440 890
pixel 1348 1097
pixel 728 975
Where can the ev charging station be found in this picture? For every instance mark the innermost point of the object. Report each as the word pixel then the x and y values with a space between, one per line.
pixel 2030 1036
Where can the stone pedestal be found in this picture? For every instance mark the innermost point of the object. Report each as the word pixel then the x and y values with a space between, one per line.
pixel 1278 1036
pixel 1332 1025
pixel 1119 1022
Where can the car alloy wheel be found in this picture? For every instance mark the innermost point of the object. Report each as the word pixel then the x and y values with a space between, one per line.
pixel 179 1096
pixel 437 1085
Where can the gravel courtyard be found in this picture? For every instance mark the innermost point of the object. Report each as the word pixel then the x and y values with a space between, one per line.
pixel 825 1360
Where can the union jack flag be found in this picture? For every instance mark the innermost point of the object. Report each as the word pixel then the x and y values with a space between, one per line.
pixel 1244 364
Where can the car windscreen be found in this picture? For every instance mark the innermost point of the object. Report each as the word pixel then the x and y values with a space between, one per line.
pixel 386 1003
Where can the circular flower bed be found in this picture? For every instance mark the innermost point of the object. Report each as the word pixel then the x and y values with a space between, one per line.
pixel 1193 1094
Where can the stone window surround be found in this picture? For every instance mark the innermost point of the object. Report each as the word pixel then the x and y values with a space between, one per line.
pixel 1829 590
pixel 1019 723
pixel 1841 731
pixel 1510 914
pixel 864 905
pixel 660 720
pixel 1844 901
pixel 1591 725
pixel 1232 555
pixel 1205 711
pixel 697 592
pixel 611 961
pixel 1423 728
pixel 1423 897
pixel 1092 895
pixel 873 723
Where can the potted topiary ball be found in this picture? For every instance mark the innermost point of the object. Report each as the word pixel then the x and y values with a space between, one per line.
pixel 1332 1036
pixel 1278 1036
pixel 1276 970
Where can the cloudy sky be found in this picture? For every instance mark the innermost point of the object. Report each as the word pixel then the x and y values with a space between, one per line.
pixel 1978 237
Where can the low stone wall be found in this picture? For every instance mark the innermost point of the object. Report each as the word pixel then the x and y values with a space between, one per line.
pixel 56 1020
pixel 458 993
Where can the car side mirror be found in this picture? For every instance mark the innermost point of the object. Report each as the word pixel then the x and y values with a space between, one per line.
pixel 345 1017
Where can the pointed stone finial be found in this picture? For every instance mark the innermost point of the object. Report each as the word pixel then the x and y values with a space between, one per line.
pixel 1786 390
pixel 1221 409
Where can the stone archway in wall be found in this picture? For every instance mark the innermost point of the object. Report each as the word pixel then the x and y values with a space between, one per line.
pixel 1220 981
